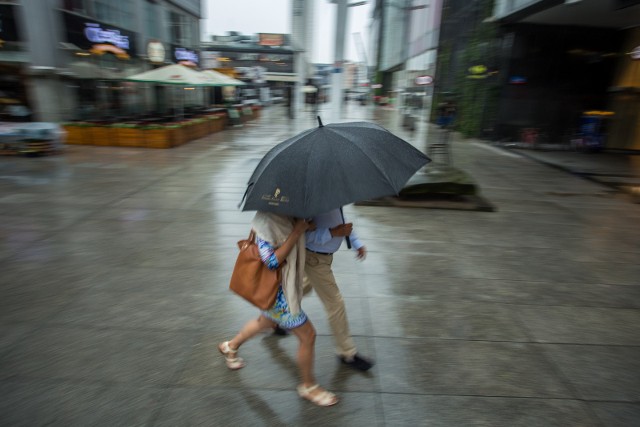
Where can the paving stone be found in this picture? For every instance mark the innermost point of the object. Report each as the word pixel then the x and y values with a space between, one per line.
pixel 604 373
pixel 115 264
pixel 462 411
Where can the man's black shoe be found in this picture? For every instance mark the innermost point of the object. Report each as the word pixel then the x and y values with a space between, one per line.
pixel 358 362
pixel 279 331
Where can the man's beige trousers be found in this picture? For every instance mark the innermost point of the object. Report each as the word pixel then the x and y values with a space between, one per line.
pixel 319 277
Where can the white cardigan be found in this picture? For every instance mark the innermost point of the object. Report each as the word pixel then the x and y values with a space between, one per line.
pixel 275 229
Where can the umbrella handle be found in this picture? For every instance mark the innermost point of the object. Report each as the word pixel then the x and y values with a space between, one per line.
pixel 345 237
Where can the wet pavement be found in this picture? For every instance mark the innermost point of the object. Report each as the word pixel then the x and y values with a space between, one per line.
pixel 617 170
pixel 113 294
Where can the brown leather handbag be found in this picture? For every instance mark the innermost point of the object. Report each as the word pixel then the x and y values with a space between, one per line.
pixel 251 278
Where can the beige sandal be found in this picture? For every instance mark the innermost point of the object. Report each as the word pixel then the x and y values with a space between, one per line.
pixel 323 398
pixel 232 362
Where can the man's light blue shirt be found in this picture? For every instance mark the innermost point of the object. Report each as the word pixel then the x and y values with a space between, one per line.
pixel 320 240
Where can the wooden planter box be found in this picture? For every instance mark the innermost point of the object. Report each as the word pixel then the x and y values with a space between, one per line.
pixel 216 124
pixel 222 119
pixel 131 137
pixel 187 133
pixel 76 134
pixel 103 135
pixel 201 130
pixel 177 136
pixel 157 138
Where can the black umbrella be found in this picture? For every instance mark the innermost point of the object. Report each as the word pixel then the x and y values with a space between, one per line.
pixel 330 166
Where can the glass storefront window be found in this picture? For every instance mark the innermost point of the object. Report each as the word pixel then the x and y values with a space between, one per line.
pixel 116 12
pixel 151 19
pixel 75 6
pixel 183 30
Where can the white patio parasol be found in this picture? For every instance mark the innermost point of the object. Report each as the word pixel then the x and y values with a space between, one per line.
pixel 218 79
pixel 174 74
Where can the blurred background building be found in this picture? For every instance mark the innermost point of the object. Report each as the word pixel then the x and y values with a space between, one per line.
pixel 547 67
pixel 266 62
pixel 561 59
pixel 404 39
pixel 508 66
pixel 64 59
pixel 552 67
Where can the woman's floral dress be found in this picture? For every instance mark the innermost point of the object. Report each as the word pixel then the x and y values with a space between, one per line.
pixel 279 313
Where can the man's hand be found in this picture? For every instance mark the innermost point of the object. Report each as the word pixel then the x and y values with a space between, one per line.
pixel 342 230
pixel 362 254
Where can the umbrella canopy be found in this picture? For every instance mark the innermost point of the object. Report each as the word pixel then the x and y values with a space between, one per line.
pixel 218 79
pixel 330 166
pixel 174 74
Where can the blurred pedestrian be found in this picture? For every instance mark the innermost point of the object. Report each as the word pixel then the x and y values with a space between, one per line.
pixel 446 114
pixel 323 239
pixel 280 240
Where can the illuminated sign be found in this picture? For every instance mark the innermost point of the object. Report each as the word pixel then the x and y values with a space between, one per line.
pixel 477 72
pixel 517 80
pixel 96 34
pixel 478 69
pixel 99 38
pixel 424 80
pixel 185 56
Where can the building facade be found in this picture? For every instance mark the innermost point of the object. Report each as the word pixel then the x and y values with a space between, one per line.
pixel 69 55
pixel 562 60
pixel 405 39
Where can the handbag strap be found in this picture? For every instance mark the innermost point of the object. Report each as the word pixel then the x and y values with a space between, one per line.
pixel 252 236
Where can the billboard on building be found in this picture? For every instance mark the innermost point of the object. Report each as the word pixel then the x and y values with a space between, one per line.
pixel 268 39
pixel 89 34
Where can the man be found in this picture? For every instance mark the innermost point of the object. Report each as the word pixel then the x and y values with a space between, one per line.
pixel 325 237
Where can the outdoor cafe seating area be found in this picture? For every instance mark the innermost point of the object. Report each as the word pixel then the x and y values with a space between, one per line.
pixel 150 130
pixel 170 128
pixel 177 124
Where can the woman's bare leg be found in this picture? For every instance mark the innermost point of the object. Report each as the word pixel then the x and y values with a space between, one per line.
pixel 249 330
pixel 306 351
pixel 306 354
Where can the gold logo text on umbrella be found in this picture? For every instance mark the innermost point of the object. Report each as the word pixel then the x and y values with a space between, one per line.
pixel 275 199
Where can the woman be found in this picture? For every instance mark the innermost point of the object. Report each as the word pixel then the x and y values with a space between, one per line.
pixel 281 239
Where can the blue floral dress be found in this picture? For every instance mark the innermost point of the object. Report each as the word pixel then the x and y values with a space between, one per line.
pixel 279 313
